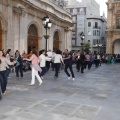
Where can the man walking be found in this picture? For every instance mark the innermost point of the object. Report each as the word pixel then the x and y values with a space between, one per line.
pixel 68 64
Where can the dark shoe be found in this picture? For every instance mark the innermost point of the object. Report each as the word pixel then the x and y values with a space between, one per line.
pixel 1 97
pixel 82 72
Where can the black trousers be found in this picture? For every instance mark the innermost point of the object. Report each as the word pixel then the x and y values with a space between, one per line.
pixel 69 65
pixel 19 69
pixel 88 63
pixel 57 68
pixel 78 65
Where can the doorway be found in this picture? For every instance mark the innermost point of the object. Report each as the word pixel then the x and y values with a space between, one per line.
pixel 32 38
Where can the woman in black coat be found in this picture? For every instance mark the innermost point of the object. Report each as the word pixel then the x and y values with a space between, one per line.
pixel 19 64
pixel 82 61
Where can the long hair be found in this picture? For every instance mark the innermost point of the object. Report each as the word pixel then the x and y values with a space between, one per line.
pixel 35 52
pixel 0 59
pixel 41 51
pixel 8 51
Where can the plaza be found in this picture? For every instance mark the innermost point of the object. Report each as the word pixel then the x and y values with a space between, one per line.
pixel 94 95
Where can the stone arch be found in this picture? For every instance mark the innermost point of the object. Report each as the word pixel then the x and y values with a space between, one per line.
pixel 3 31
pixel 33 36
pixel 56 40
pixel 116 46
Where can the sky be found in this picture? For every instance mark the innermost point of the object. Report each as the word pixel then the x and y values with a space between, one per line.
pixel 103 6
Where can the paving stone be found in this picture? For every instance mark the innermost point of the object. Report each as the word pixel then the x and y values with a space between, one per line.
pixel 94 95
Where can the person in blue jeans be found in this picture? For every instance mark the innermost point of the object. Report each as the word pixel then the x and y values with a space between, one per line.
pixel 19 64
pixel 3 64
pixel 1 86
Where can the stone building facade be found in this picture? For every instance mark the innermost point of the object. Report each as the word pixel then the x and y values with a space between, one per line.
pixel 84 13
pixel 113 27
pixel 21 26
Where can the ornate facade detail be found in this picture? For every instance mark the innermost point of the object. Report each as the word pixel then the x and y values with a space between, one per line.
pixel 113 26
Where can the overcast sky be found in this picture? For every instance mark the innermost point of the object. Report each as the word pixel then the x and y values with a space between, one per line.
pixel 103 6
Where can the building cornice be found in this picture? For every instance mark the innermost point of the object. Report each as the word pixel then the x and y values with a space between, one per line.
pixel 49 8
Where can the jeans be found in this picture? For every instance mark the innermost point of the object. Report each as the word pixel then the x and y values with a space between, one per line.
pixel 3 80
pixel 17 69
pixel 44 70
pixel 8 71
pixel 69 65
pixel 57 68
pixel 89 64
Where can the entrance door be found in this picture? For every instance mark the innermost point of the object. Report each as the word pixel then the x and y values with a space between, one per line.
pixel 32 38
pixel 0 36
pixel 56 41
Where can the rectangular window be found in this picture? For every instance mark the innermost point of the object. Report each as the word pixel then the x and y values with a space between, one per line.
pixel 96 25
pixel 118 22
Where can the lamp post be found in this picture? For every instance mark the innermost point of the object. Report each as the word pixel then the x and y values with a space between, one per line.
pixel 47 25
pixel 82 36
pixel 98 46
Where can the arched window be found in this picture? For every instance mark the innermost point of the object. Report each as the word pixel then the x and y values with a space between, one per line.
pixel 56 41
pixel 89 24
pixel 32 30
pixel 32 38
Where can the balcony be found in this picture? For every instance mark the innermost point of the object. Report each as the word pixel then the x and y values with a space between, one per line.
pixel 94 27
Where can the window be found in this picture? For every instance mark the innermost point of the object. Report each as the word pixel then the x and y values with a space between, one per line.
pixel 89 24
pixel 96 25
pixel 118 22
pixel 95 32
pixel 74 19
pixel 74 11
pixel 94 42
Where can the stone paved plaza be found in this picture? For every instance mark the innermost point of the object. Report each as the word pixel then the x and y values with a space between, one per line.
pixel 94 95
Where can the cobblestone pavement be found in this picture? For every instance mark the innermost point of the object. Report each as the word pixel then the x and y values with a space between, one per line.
pixel 94 95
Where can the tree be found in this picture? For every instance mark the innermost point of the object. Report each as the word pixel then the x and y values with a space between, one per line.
pixel 87 46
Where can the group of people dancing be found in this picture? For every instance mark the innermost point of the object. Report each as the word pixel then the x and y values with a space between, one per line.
pixel 41 61
pixel 39 65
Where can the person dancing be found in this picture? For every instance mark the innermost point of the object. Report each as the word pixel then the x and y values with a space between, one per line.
pixel 68 64
pixel 35 67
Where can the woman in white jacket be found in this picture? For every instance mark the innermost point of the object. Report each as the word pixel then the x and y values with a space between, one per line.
pixel 42 60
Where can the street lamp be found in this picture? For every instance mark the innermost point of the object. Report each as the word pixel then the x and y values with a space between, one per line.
pixel 82 36
pixel 98 46
pixel 47 25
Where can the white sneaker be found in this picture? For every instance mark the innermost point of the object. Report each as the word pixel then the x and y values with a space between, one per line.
pixel 42 77
pixel 68 78
pixel 31 84
pixel 73 79
pixel 40 83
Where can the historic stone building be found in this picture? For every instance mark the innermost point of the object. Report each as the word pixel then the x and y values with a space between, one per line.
pixel 87 19
pixel 113 27
pixel 21 26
